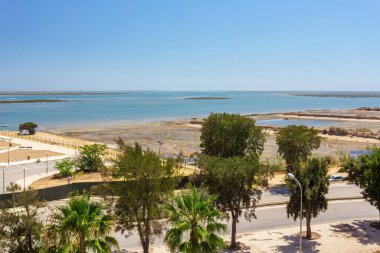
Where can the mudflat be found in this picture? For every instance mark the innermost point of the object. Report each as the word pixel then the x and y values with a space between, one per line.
pixel 184 135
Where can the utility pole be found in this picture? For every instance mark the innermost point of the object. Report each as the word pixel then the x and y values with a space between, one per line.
pixel 9 146
pixel 47 162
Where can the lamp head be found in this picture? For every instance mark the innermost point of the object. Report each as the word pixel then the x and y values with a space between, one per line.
pixel 291 176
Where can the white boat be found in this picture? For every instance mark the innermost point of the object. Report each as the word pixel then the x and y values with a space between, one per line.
pixel 5 125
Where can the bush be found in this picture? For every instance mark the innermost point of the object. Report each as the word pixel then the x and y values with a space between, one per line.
pixel 30 126
pixel 91 157
pixel 337 131
pixel 364 130
pixel 65 167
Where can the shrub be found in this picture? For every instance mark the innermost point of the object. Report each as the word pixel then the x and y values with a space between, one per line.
pixel 337 131
pixel 65 167
pixel 91 157
pixel 364 130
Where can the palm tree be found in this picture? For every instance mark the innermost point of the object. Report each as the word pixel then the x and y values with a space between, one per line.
pixel 82 226
pixel 194 223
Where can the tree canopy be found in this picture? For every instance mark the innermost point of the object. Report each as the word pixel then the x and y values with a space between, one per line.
pixel 30 126
pixel 80 226
pixel 314 179
pixel 91 157
pixel 365 172
pixel 146 182
pixel 296 143
pixel 21 228
pixel 228 135
pixel 194 223
pixel 236 181
pixel 65 167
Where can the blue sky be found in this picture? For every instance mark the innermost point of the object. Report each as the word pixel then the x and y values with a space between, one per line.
pixel 190 45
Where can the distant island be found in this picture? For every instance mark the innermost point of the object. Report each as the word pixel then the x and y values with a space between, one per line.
pixel 27 101
pixel 206 98
pixel 338 94
pixel 35 93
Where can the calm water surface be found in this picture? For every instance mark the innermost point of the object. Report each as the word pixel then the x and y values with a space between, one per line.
pixel 154 105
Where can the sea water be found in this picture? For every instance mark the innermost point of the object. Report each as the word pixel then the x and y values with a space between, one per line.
pixel 87 109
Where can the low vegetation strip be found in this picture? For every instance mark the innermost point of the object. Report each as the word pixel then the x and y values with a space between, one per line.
pixel 338 116
pixel 338 94
pixel 32 93
pixel 28 101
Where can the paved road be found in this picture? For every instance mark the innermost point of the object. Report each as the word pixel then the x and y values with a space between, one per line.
pixel 337 190
pixel 275 217
pixel 16 172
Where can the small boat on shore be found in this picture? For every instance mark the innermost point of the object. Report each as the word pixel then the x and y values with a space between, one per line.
pixel 5 125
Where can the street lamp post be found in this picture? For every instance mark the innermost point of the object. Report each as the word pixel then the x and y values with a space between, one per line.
pixel 9 146
pixel 159 148
pixel 47 162
pixel 292 177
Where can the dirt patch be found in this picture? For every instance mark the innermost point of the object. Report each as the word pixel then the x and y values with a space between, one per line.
pixel 21 155
pixel 53 181
pixel 3 144
pixel 239 246
pixel 84 177
pixel 314 236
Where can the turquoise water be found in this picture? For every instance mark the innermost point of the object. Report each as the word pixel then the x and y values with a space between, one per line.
pixel 155 105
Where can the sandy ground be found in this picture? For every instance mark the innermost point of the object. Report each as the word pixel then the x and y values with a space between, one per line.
pixel 177 136
pixel 20 155
pixel 3 144
pixel 347 236
pixel 351 236
pixel 180 135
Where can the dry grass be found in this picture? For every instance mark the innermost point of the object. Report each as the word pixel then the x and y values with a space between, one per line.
pixel 20 155
pixel 52 181
pixel 3 144
pixel 84 177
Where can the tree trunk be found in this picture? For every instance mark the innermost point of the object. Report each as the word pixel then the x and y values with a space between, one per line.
pixel 82 247
pixel 145 246
pixel 308 227
pixel 233 231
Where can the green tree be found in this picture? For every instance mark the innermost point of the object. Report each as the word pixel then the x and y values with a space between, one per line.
pixel 65 167
pixel 365 173
pixel 21 228
pixel 236 181
pixel 30 126
pixel 194 223
pixel 79 227
pixel 228 135
pixel 145 183
pixel 91 157
pixel 314 179
pixel 296 143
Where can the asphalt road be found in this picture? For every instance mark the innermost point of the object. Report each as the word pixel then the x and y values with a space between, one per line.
pixel 336 190
pixel 275 217
pixel 16 172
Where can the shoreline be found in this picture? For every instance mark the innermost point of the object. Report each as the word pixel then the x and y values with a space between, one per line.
pixel 323 115
pixel 183 134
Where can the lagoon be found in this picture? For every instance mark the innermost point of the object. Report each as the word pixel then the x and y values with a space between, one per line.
pixel 136 106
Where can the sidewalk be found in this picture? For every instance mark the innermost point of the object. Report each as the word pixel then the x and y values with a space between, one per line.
pixel 67 152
